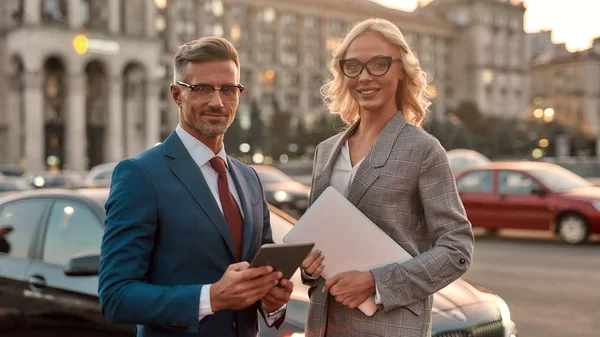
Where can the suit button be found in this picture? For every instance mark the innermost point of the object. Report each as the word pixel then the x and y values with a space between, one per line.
pixel 234 325
pixel 462 261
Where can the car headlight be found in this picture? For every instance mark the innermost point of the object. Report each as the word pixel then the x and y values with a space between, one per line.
pixel 504 311
pixel 281 196
pixel 596 204
pixel 297 334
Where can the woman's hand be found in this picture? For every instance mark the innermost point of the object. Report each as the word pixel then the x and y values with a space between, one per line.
pixel 351 288
pixel 313 264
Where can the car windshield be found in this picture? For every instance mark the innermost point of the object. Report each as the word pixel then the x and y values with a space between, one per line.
pixel 559 179
pixel 272 177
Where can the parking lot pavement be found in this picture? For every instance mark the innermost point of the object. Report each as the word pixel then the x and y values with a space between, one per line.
pixel 551 287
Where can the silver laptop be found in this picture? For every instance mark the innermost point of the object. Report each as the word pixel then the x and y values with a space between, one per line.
pixel 348 239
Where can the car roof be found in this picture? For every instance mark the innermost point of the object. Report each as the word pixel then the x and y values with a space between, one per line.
pixel 95 194
pixel 513 165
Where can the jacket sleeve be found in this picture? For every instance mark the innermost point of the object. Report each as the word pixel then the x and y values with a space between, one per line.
pixel 126 253
pixel 410 282
pixel 307 280
pixel 267 237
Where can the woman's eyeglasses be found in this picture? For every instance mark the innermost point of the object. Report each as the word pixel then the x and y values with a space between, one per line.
pixel 205 92
pixel 377 66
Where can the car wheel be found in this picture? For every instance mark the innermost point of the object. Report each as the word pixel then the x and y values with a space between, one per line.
pixel 573 228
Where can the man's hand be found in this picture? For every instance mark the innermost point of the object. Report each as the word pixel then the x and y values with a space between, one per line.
pixel 240 286
pixel 278 296
pixel 313 264
pixel 351 288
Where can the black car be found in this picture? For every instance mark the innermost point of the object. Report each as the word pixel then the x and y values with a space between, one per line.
pixel 49 246
pixel 49 255
pixel 282 191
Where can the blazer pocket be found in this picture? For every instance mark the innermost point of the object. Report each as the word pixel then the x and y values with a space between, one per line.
pixel 416 307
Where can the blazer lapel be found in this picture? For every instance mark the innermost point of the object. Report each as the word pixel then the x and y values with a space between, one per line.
pixel 369 170
pixel 246 207
pixel 322 178
pixel 187 171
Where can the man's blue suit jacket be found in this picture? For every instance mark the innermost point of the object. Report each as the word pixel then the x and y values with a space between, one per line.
pixel 166 237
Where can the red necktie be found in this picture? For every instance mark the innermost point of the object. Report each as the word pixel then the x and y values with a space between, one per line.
pixel 230 207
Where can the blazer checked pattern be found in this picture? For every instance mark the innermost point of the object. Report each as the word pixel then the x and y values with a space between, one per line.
pixel 406 187
pixel 165 237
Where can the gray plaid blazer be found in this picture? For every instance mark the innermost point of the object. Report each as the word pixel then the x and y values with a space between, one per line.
pixel 406 187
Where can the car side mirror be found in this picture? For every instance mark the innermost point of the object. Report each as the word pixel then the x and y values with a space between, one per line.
pixel 539 191
pixel 83 265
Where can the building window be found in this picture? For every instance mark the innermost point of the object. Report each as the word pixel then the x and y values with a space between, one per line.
pixel 310 23
pixel 267 77
pixel 160 4
pixel 236 32
pixel 54 11
pixel 333 42
pixel 269 15
pixel 160 23
pixel 487 76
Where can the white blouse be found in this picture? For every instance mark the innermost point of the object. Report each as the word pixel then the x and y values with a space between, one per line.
pixel 343 172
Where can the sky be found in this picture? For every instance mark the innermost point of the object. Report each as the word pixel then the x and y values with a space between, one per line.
pixel 573 22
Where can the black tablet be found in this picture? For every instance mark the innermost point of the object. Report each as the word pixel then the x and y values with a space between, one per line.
pixel 284 257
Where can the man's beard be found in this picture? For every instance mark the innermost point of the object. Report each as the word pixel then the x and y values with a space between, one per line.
pixel 204 128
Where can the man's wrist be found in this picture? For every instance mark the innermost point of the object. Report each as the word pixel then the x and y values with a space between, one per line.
pixel 276 312
pixel 214 303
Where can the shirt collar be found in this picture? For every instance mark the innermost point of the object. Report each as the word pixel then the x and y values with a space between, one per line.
pixel 200 153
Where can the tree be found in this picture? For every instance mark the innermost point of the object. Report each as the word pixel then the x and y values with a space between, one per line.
pixel 234 137
pixel 279 135
pixel 256 133
pixel 301 136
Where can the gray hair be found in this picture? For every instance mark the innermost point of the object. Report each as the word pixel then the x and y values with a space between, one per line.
pixel 203 49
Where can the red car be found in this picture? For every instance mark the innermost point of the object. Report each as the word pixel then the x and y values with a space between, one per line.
pixel 530 195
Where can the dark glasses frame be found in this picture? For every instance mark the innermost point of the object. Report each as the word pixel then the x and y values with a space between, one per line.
pixel 193 87
pixel 364 65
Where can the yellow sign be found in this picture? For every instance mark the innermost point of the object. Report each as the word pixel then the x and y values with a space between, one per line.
pixel 80 43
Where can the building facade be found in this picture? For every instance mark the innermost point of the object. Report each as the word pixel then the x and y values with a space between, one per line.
pixel 569 84
pixel 87 81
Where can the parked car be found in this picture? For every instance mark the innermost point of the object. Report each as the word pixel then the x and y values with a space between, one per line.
pixel 48 280
pixel 8 186
pixel 461 159
pixel 54 179
pixel 13 171
pixel 531 195
pixel 100 175
pixel 282 191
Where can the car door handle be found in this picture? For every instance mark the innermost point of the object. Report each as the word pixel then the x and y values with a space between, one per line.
pixel 36 282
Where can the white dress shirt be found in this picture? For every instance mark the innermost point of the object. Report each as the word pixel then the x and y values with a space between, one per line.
pixel 202 155
pixel 342 175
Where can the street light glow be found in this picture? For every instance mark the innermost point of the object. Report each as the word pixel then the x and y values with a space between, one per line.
pixel 538 113
pixel 549 112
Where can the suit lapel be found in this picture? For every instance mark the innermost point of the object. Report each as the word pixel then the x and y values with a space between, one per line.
pixel 369 170
pixel 244 195
pixel 322 178
pixel 187 171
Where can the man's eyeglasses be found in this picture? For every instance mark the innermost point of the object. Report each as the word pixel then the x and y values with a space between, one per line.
pixel 205 92
pixel 377 66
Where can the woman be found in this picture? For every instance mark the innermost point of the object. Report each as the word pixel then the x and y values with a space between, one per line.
pixel 396 174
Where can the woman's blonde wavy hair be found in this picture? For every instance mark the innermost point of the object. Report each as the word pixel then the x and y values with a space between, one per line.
pixel 412 97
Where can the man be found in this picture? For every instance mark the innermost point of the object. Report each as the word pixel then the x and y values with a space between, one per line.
pixel 182 215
